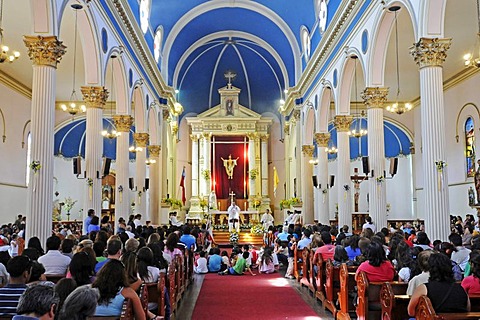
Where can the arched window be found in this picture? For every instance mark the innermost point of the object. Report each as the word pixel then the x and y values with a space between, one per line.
pixel 29 157
pixel 470 147
pixel 144 14
pixel 305 36
pixel 157 43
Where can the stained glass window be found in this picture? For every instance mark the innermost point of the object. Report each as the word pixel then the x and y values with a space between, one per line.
pixel 470 146
pixel 144 14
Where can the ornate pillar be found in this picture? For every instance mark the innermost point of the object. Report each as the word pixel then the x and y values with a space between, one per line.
pixel 95 99
pixel 46 53
pixel 154 175
pixel 194 200
pixel 430 55
pixel 375 99
pixel 205 165
pixel 264 162
pixel 141 140
pixel 342 124
pixel 298 154
pixel 288 159
pixel 251 166
pixel 164 157
pixel 123 123
pixel 307 187
pixel 321 208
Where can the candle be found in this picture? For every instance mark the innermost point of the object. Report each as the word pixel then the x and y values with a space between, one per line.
pixel 245 206
pixel 218 205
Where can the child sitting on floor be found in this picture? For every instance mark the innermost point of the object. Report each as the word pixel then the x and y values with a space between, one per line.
pixel 201 265
pixel 225 261
pixel 239 267
pixel 265 262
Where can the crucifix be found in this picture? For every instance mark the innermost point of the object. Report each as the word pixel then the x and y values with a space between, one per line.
pixel 229 75
pixel 356 179
pixel 231 194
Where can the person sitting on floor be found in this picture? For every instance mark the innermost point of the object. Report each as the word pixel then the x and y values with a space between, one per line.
pixel 240 266
pixel 201 266
pixel 445 294
pixel 377 267
pixel 214 260
pixel 265 262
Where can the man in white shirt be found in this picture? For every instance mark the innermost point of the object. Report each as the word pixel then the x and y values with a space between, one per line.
pixel 233 217
pixel 267 220
pixel 137 222
pixel 54 261
pixel 369 224
pixel 462 255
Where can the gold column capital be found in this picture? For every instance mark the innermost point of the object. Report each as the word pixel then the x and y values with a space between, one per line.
pixel 307 150
pixel 94 96
pixel 194 137
pixel 174 128
pixel 295 115
pixel 165 114
pixel 322 138
pixel 44 51
pixel 206 135
pixel 154 150
pixel 264 137
pixel 430 52
pixel 374 97
pixel 343 122
pixel 286 128
pixel 141 139
pixel 252 135
pixel 123 122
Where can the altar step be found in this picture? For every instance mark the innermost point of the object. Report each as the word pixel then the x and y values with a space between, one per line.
pixel 222 238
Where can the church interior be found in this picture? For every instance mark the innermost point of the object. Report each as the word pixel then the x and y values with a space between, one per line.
pixel 331 111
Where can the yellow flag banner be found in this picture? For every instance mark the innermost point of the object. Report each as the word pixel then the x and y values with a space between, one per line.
pixel 275 181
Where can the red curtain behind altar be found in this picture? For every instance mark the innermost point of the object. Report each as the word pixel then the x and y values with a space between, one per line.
pixel 222 148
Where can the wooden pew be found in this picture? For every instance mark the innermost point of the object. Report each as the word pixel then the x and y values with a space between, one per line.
pixel 313 287
pixel 394 301
pixel 180 277
pixel 54 277
pixel 297 264
pixel 143 295
pixel 306 267
pixel 474 302
pixel 425 311
pixel 347 284
pixel 319 277
pixel 127 312
pixel 332 276
pixel 156 294
pixel 172 285
pixel 369 306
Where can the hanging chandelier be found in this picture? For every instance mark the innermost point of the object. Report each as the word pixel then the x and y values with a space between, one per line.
pixel 356 130
pixel 150 161
pixel 472 59
pixel 135 149
pixel 398 108
pixel 4 54
pixel 111 133
pixel 72 107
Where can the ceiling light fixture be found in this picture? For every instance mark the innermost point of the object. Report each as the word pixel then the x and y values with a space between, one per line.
pixel 112 133
pixel 72 107
pixel 4 54
pixel 397 108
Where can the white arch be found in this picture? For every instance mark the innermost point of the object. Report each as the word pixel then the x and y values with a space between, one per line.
pixel 345 82
pixel 119 80
pixel 244 4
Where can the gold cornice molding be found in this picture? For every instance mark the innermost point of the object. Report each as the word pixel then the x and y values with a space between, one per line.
pixel 430 52
pixel 123 122
pixel 44 51
pixel 94 96
pixel 322 138
pixel 141 139
pixel 374 97
pixel 307 150
pixel 343 122
pixel 15 85
pixel 154 150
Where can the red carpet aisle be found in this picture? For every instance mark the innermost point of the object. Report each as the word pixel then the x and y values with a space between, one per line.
pixel 250 297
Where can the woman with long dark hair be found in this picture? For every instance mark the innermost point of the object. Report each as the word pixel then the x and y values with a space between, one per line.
pixel 129 260
pixel 377 267
pixel 146 269
pixel 471 284
pixel 34 242
pixel 81 268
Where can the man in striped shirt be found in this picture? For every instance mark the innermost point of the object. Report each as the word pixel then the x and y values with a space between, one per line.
pixel 19 268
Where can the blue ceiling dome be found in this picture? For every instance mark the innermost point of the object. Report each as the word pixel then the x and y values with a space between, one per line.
pixel 69 140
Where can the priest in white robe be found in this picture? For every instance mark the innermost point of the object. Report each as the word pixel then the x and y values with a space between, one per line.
pixel 233 217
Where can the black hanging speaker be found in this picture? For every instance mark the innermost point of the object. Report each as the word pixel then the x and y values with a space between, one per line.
pixel 147 183
pixel 77 165
pixel 365 165
pixel 315 182
pixel 106 166
pixel 393 166
pixel 131 183
pixel 332 181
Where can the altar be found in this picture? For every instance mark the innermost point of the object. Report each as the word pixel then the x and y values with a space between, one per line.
pixel 220 218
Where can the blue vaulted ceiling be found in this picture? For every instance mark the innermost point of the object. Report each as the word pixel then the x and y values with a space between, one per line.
pixel 259 40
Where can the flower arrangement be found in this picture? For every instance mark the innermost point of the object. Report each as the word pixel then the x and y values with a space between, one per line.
pixel 68 204
pixel 380 179
pixel 233 238
pixel 324 191
pixel 440 165
pixel 220 227
pixel 253 174
pixel 206 174
pixel 256 203
pixel 294 201
pixel 346 187
pixel 90 182
pixel 284 204
pixel 35 166
pixel 173 203
pixel 120 188
pixel 120 193
pixel 246 226
pixel 257 229
pixel 203 203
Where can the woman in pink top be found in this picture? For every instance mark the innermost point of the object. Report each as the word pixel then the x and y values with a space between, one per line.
pixel 377 267
pixel 171 249
pixel 471 284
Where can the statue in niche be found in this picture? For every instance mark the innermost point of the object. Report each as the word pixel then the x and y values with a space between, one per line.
pixel 477 182
pixel 471 197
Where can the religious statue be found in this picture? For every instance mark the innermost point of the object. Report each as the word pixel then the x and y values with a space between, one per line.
pixel 212 201
pixel 471 197
pixel 356 195
pixel 477 181
pixel 229 165
pixel 233 217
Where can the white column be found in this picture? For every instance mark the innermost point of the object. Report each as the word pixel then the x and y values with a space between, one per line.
pixel 95 99
pixel 45 52
pixel 298 153
pixel 141 140
pixel 251 166
pixel 430 55
pixel 286 139
pixel 123 124
pixel 307 186
pixel 154 184
pixel 195 169
pixel 342 124
pixel 204 164
pixel 322 207
pixel 375 99
pixel 264 162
